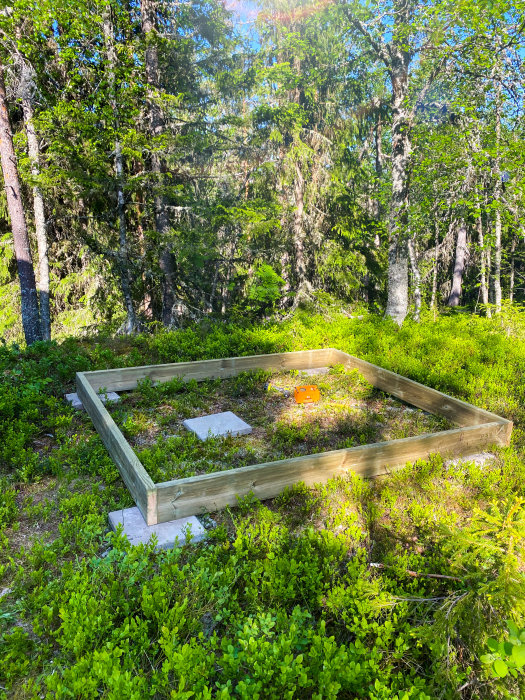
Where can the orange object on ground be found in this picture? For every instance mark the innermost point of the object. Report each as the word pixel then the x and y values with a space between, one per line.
pixel 307 394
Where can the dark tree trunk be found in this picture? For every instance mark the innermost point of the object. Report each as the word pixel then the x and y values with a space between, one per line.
pixel 123 258
pixel 459 266
pixel 157 127
pixel 26 273
pixel 33 149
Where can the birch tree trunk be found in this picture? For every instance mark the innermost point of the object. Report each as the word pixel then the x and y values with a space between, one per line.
pixel 417 279
pixel 483 267
pixel 490 287
pixel 379 146
pixel 483 262
pixel 459 266
pixel 124 271
pixel 433 298
pixel 512 268
pixel 27 90
pixel 397 304
pixel 157 127
pixel 298 228
pixel 24 261
pixel 497 201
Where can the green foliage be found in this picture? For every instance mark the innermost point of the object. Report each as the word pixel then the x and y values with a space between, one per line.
pixel 282 599
pixel 265 287
pixel 507 656
pixel 8 507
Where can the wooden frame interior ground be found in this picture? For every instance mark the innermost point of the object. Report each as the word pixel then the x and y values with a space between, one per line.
pixel 169 500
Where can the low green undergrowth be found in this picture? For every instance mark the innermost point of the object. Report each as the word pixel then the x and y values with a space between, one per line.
pixel 385 589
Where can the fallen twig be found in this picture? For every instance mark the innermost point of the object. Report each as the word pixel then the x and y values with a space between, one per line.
pixel 416 574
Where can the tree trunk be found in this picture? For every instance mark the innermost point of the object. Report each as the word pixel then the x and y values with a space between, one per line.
pixel 484 287
pixel 157 127
pixel 124 271
pixel 285 274
pixel 417 279
pixel 459 266
pixel 379 146
pixel 490 286
pixel 24 261
pixel 497 200
pixel 512 268
pixel 298 229
pixel 397 304
pixel 497 261
pixel 27 92
pixel 433 298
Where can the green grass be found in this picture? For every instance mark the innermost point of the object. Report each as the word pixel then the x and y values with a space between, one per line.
pixel 349 413
pixel 321 593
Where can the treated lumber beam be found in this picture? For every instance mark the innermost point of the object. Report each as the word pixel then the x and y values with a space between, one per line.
pixel 127 377
pixel 210 492
pixel 455 410
pixel 133 474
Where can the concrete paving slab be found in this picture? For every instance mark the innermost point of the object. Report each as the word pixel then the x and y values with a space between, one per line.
pixel 168 534
pixel 4 592
pixel 479 458
pixel 217 425
pixel 108 397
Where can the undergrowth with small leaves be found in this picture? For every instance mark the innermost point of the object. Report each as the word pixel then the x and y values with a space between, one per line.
pixel 409 586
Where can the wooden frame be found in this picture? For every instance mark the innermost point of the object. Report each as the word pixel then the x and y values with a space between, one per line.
pixel 209 492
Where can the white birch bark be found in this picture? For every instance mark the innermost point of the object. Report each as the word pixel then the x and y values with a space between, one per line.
pixel 397 303
pixel 416 275
pixel 497 201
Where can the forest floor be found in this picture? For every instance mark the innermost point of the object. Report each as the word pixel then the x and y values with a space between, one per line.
pixel 350 412
pixel 377 589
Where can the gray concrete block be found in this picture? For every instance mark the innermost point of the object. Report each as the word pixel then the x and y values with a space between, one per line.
pixel 168 534
pixel 217 425
pixel 108 397
pixel 479 458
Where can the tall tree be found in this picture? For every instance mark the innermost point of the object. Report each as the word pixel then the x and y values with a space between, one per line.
pixel 123 254
pixel 459 265
pixel 397 56
pixel 26 273
pixel 407 37
pixel 27 90
pixel 157 125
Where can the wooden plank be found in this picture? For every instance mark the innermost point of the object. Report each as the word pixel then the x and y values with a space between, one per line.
pixel 163 502
pixel 127 377
pixel 133 474
pixel 455 410
pixel 210 492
